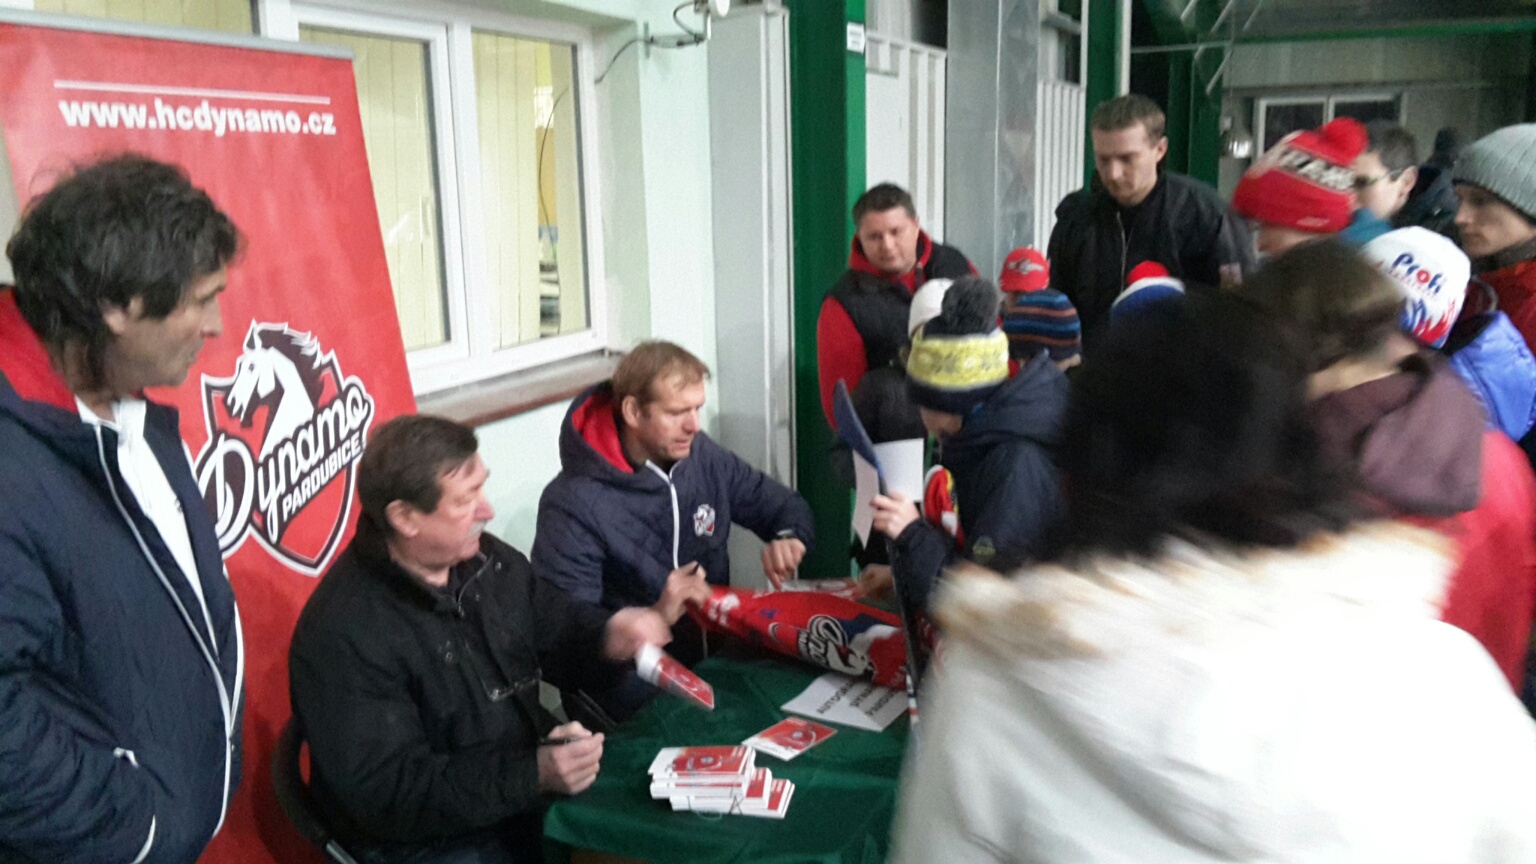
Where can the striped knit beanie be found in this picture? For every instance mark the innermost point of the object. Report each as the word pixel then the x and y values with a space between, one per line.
pixel 960 357
pixel 1147 285
pixel 1042 320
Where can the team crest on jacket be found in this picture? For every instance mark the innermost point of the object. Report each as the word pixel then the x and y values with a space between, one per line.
pixel 285 432
pixel 704 521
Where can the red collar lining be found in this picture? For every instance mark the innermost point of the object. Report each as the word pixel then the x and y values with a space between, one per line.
pixel 857 261
pixel 595 422
pixel 24 359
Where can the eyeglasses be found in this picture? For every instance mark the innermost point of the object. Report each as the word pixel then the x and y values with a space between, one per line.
pixel 1363 183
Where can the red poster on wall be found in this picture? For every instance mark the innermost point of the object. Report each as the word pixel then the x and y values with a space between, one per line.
pixel 276 411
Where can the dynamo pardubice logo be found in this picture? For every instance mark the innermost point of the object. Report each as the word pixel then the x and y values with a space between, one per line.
pixel 285 432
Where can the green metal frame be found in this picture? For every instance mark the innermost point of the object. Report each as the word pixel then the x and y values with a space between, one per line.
pixel 826 87
pixel 1102 80
pixel 1194 118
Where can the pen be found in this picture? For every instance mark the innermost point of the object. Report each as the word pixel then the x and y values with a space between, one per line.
pixel 557 740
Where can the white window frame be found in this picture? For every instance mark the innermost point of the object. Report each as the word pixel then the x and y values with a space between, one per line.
pixel 1261 107
pixel 1394 96
pixel 1330 104
pixel 470 354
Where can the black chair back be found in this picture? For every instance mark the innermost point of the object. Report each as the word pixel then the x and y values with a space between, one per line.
pixel 293 795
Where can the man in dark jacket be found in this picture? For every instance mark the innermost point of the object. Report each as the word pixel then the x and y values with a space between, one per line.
pixel 416 666
pixel 1133 212
pixel 862 327
pixel 1433 202
pixel 996 435
pixel 1387 169
pixel 641 510
pixel 121 659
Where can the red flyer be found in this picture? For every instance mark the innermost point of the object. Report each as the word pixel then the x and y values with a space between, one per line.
pixel 725 761
pixel 790 737
pixel 659 668
pixel 779 793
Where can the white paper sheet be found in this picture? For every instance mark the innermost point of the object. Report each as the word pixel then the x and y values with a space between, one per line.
pixel 901 463
pixel 866 485
pixel 847 701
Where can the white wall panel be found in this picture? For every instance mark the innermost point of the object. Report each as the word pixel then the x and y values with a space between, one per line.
pixel 749 160
pixel 1059 170
pixel 904 113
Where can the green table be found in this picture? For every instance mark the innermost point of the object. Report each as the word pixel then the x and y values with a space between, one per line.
pixel 845 787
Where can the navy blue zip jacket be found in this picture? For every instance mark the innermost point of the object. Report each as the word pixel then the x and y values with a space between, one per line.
pixel 120 696
pixel 1007 488
pixel 609 534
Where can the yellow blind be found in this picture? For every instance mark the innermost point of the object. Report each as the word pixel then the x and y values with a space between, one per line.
pixel 392 92
pixel 530 187
pixel 230 15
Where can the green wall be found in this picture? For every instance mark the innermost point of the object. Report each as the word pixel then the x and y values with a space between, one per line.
pixel 826 83
pixel 1103 75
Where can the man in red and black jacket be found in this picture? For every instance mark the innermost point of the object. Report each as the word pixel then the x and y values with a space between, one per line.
pixel 863 322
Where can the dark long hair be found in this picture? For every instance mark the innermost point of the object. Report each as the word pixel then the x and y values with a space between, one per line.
pixel 1190 421
pixel 121 228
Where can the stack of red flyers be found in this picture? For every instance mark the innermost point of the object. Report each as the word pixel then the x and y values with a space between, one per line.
pixel 718 780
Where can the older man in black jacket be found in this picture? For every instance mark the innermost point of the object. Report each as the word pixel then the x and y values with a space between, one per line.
pixel 1134 211
pixel 415 667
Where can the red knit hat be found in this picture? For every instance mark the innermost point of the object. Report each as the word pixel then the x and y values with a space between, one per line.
pixel 1307 180
pixel 1025 269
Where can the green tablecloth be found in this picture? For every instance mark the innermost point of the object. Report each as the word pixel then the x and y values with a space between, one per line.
pixel 845 787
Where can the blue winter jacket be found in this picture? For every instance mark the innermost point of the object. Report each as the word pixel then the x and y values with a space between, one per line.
pixel 1007 487
pixel 1498 368
pixel 609 535
pixel 120 693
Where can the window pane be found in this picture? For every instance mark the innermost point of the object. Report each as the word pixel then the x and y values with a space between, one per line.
pixel 1283 119
pixel 530 181
pixel 1366 110
pixel 393 92
pixel 231 15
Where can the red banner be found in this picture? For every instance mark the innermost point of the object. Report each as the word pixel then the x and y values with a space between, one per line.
pixel 277 409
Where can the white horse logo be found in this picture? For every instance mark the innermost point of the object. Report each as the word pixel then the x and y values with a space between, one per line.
pixel 282 369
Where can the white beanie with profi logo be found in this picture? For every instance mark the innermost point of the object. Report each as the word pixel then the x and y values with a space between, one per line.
pixel 1432 274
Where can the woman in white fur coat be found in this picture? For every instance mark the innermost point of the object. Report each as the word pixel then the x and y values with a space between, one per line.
pixel 1225 668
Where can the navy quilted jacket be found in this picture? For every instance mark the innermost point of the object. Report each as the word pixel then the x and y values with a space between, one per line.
pixel 609 535
pixel 1007 488
pixel 120 692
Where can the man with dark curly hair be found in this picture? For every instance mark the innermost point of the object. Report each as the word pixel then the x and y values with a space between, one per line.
pixel 121 659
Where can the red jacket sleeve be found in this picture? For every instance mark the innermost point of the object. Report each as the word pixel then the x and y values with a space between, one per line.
pixel 839 353
pixel 1493 589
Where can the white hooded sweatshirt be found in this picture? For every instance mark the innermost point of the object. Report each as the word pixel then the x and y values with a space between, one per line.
pixel 1274 706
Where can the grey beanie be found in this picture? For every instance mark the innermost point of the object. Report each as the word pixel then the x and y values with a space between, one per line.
pixel 1504 163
